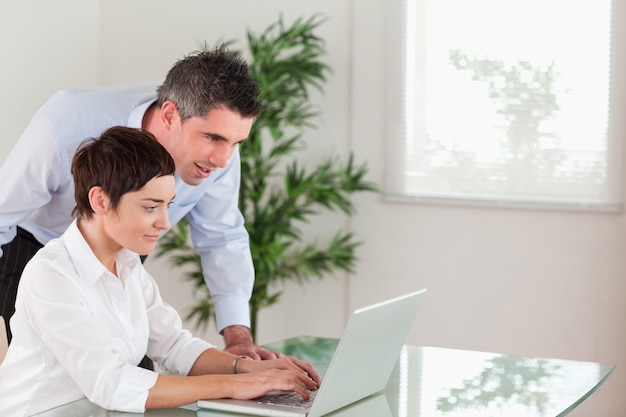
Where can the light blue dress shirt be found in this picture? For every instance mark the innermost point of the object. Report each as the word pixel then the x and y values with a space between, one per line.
pixel 37 191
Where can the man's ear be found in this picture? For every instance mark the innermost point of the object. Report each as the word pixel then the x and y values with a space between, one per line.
pixel 98 200
pixel 169 114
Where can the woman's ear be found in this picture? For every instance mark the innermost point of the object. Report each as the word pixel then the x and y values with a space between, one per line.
pixel 98 200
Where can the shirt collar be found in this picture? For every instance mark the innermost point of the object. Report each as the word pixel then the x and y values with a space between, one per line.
pixel 87 265
pixel 135 118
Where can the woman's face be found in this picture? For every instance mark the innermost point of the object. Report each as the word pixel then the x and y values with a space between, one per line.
pixel 141 216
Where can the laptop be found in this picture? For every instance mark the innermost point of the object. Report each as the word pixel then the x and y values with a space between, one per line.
pixel 361 365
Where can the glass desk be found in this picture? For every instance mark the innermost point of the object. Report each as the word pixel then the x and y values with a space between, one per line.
pixel 434 382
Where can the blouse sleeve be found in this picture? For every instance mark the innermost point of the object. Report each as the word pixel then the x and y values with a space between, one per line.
pixel 171 346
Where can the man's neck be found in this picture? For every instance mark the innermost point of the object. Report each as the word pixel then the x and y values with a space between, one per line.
pixel 150 119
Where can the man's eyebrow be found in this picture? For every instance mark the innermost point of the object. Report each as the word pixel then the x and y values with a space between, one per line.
pixel 220 137
pixel 213 135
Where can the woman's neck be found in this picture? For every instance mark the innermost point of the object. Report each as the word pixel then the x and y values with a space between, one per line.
pixel 105 249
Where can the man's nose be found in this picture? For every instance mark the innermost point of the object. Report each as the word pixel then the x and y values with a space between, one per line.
pixel 220 156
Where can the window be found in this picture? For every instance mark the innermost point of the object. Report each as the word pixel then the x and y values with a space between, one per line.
pixel 504 102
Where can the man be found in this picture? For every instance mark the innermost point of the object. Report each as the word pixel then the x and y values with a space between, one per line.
pixel 202 111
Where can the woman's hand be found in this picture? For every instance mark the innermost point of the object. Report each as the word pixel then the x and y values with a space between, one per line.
pixel 256 378
pixel 255 384
pixel 211 377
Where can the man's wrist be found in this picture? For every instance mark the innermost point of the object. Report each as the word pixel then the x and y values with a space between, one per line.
pixel 236 335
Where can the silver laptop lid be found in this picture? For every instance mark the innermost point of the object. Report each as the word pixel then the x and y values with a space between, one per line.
pixel 361 364
pixel 367 352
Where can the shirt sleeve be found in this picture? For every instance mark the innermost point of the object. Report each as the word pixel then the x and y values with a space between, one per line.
pixel 219 235
pixel 34 164
pixel 171 346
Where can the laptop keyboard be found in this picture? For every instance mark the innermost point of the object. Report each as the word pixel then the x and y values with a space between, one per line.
pixel 287 399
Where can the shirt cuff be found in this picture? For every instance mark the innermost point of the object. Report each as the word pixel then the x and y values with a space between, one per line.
pixel 131 393
pixel 182 362
pixel 231 311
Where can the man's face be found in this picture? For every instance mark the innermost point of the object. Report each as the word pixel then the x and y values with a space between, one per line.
pixel 200 145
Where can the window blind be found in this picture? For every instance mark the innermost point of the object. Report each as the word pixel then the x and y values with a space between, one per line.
pixel 505 102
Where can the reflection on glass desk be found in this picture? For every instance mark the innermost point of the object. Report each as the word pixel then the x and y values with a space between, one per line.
pixel 434 382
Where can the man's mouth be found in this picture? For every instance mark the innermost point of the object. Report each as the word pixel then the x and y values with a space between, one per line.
pixel 204 170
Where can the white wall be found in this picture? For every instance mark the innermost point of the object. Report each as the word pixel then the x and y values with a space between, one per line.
pixel 40 53
pixel 531 282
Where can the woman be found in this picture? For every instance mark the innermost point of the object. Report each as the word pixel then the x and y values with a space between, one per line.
pixel 87 310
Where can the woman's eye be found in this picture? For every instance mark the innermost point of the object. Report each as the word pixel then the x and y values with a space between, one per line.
pixel 151 208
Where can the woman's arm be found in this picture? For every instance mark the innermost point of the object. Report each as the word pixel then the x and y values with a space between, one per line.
pixel 211 377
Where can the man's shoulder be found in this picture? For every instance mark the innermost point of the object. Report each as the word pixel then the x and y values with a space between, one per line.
pixel 74 115
pixel 93 99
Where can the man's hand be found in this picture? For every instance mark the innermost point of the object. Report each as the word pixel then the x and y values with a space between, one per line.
pixel 238 341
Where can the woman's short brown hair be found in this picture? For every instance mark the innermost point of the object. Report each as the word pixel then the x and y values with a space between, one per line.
pixel 122 160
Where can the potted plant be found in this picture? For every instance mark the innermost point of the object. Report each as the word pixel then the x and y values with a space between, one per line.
pixel 278 195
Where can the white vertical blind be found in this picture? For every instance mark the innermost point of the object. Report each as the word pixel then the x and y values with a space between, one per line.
pixel 506 101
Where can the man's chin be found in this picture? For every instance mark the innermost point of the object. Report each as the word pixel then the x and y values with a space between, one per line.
pixel 193 180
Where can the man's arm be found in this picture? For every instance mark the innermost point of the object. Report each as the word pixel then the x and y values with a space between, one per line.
pixel 220 237
pixel 32 170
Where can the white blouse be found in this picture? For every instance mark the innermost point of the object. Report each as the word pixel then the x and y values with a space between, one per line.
pixel 80 331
